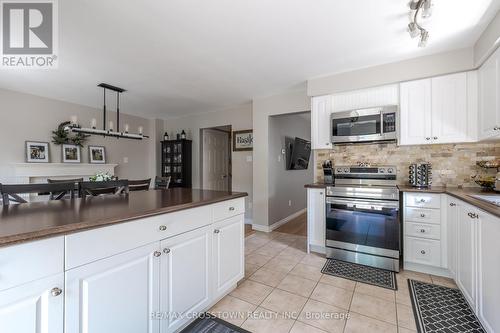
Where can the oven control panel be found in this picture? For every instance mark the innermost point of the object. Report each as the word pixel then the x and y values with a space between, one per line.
pixel 365 170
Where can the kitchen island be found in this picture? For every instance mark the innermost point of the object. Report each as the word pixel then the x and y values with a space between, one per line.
pixel 146 262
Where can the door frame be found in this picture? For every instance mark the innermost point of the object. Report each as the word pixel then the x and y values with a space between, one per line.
pixel 230 155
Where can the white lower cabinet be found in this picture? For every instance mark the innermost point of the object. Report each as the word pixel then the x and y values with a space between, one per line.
pixel 34 307
pixel 316 211
pixel 228 253
pixel 185 277
pixel 116 294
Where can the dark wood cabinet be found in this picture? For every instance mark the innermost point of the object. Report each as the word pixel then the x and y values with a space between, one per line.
pixel 177 162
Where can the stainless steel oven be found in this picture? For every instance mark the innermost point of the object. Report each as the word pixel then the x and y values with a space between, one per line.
pixel 362 220
pixel 365 125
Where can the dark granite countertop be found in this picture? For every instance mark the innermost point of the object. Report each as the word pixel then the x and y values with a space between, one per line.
pixel 32 221
pixel 317 185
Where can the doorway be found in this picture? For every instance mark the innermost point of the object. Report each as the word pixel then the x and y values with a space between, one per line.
pixel 215 158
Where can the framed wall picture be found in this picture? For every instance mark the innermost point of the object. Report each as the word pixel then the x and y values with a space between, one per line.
pixel 243 140
pixel 37 152
pixel 71 154
pixel 97 154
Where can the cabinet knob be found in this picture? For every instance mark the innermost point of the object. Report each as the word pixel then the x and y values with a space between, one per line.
pixel 452 204
pixel 470 214
pixel 216 231
pixel 422 230
pixel 435 138
pixel 422 200
pixel 495 128
pixel 163 228
pixel 157 253
pixel 320 193
pixel 422 215
pixel 327 144
pixel 423 252
pixel 427 138
pixel 473 216
pixel 231 208
pixel 56 291
pixel 166 251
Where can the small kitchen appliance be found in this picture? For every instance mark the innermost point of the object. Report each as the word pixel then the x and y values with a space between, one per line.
pixel 328 172
pixel 420 174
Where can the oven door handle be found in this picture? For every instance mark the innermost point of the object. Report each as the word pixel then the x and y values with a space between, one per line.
pixel 369 204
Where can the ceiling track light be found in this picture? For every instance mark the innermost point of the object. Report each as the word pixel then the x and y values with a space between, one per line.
pixel 419 9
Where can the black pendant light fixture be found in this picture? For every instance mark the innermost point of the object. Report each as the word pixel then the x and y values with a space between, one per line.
pixel 110 130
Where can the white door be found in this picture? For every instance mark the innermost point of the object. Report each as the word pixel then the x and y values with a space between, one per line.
pixel 35 307
pixel 452 215
pixel 316 217
pixel 321 109
pixel 416 112
pixel 489 271
pixel 466 259
pixel 215 160
pixel 489 97
pixel 116 294
pixel 185 282
pixel 228 254
pixel 449 108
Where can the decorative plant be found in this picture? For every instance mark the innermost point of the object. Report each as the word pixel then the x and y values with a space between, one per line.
pixel 63 136
pixel 101 177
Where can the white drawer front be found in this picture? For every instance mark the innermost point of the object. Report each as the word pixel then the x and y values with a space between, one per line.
pixel 226 209
pixel 422 215
pixel 88 246
pixel 423 251
pixel 28 262
pixel 430 231
pixel 426 200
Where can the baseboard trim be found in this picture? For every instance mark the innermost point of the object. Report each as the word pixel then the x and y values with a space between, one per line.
pixel 269 228
pixel 427 269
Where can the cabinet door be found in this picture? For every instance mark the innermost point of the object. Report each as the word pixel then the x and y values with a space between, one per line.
pixel 228 254
pixel 316 211
pixel 489 95
pixel 33 307
pixel 185 272
pixel 466 259
pixel 116 294
pixel 449 108
pixel 415 117
pixel 452 216
pixel 489 271
pixel 321 110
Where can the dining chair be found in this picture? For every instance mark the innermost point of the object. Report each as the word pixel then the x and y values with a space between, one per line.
pixel 139 185
pixel 11 192
pixel 162 182
pixel 112 187
pixel 70 180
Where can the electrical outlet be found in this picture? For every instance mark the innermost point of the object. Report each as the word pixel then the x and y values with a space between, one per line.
pixel 290 203
pixel 125 160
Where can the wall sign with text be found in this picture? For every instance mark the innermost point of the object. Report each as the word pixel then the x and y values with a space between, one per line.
pixel 243 140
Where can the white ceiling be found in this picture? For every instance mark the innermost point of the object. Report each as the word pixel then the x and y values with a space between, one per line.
pixel 179 57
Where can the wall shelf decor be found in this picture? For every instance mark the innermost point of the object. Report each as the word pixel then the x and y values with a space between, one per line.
pixel 176 163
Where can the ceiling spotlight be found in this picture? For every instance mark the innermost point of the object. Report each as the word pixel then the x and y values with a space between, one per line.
pixel 413 30
pixel 427 9
pixel 424 36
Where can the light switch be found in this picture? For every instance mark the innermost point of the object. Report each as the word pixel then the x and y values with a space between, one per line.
pixel 125 160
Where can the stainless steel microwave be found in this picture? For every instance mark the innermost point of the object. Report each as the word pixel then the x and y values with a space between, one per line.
pixel 365 125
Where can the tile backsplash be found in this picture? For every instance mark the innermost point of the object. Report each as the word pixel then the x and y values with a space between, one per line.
pixel 452 164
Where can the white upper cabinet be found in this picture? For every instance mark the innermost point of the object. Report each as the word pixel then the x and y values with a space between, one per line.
pixel 489 97
pixel 416 112
pixel 439 110
pixel 321 109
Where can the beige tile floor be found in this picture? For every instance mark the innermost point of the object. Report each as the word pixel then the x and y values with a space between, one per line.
pixel 285 291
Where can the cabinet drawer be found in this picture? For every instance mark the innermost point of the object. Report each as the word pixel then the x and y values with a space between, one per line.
pixel 423 251
pixel 426 200
pixel 422 215
pixel 28 262
pixel 226 209
pixel 88 246
pixel 429 231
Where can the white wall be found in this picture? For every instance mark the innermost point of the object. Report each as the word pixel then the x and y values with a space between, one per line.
pixel 263 108
pixel 27 117
pixel 488 42
pixel 287 185
pixel 240 118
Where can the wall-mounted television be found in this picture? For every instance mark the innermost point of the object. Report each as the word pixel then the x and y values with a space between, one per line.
pixel 298 152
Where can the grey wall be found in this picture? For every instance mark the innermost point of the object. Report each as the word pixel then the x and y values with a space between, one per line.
pixel 285 185
pixel 28 117
pixel 240 118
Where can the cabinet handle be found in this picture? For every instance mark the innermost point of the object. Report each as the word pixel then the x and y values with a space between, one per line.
pixel 231 208
pixel 422 230
pixel 422 200
pixel 452 204
pixel 423 252
pixel 422 215
pixel 216 231
pixel 495 128
pixel 328 143
pixel 166 251
pixel 320 193
pixel 470 214
pixel 56 291
pixel 435 138
pixel 474 216
pixel 157 253
pixel 163 228
pixel 427 138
